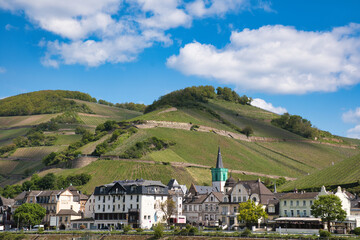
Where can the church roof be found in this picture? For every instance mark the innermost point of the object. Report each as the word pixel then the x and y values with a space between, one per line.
pixel 219 163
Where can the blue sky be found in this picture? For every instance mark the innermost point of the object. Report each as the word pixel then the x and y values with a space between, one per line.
pixel 297 56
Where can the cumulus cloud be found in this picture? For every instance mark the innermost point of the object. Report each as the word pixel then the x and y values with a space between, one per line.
pixel 352 116
pixel 278 59
pixel 354 132
pixel 260 103
pixel 94 32
pixel 2 69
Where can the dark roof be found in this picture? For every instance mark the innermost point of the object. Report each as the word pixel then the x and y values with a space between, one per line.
pixel 83 197
pixel 173 183
pixel 219 163
pixel 219 195
pixel 300 195
pixel 196 199
pixel 230 182
pixel 83 220
pixel 205 189
pixel 68 212
pixel 48 193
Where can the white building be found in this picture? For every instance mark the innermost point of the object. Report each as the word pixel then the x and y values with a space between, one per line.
pixel 128 202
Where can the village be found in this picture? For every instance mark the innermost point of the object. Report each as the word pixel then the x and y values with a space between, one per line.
pixel 140 204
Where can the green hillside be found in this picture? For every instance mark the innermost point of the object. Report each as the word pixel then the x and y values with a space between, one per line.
pixel 344 172
pixel 170 151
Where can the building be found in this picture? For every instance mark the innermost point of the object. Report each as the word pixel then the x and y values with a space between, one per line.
pixel 6 213
pixel 63 204
pixel 241 191
pixel 219 174
pixel 129 202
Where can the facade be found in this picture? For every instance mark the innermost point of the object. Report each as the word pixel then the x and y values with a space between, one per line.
pixel 6 213
pixel 297 204
pixel 128 202
pixel 238 192
pixel 55 202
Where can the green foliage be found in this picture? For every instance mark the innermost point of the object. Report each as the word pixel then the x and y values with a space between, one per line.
pixel 143 147
pixel 158 231
pixel 187 97
pixel 357 231
pixel 69 117
pixel 126 228
pixel 10 191
pixel 43 102
pixel 29 214
pixel 246 233
pixel 328 208
pixel 80 130
pixel 296 124
pixel 7 148
pixel 324 233
pixel 250 213
pixel 247 131
pixel 11 236
pixel 101 101
pixel 132 106
pixel 194 127
pixel 52 182
pixel 231 96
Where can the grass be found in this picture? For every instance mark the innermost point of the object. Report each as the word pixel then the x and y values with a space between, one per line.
pixel 107 171
pixel 6 136
pixel 139 136
pixel 114 112
pixel 36 153
pixel 67 139
pixel 346 171
pixel 15 121
pixel 90 147
pixel 166 155
pixel 7 166
pixel 25 164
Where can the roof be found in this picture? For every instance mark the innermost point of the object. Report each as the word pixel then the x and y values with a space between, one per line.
pixel 305 219
pixel 83 220
pixel 300 195
pixel 173 183
pixel 205 189
pixel 68 212
pixel 49 193
pixel 83 197
pixel 219 163
pixel 196 199
pixel 6 201
pixel 256 186
pixel 219 195
pixel 230 182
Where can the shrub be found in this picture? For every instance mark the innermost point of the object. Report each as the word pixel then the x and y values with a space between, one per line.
pixel 357 231
pixel 324 233
pixel 40 230
pixel 127 228
pixel 139 230
pixel 193 231
pixel 247 232
pixel 158 231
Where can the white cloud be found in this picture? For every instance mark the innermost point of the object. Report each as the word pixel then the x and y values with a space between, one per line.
pixel 203 8
pixel 91 32
pixel 354 132
pixel 352 116
pixel 278 59
pixel 260 103
pixel 2 69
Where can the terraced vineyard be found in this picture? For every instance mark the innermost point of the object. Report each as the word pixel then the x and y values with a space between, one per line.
pixel 16 121
pixel 35 153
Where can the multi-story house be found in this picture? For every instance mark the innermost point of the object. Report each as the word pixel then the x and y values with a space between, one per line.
pixel 128 202
pixel 6 213
pixel 58 203
pixel 241 191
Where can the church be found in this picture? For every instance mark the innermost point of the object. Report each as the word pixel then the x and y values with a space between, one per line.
pixel 218 204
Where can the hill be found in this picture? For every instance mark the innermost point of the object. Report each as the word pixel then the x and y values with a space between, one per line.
pixel 342 173
pixel 177 137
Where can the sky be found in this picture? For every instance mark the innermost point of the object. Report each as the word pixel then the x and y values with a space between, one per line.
pixel 301 57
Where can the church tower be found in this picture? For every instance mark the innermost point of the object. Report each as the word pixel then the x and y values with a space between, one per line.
pixel 219 174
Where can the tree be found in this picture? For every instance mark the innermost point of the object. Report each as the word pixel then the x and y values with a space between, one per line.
pixel 250 213
pixel 168 208
pixel 29 214
pixel 248 131
pixel 328 208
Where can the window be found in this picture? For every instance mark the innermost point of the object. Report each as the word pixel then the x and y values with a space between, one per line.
pixel 225 199
pixel 244 199
pixel 137 206
pixel 130 206
pixel 291 203
pixel 60 219
pixel 99 198
pixel 297 203
pixel 185 207
pixel 298 212
pixel 109 198
pixel 304 203
pixel 206 207
pixel 108 206
pixel 304 213
pixel 211 198
pixel 124 208
pixel 118 206
pixel 292 213
pixel 235 209
pixel 200 207
pixel 285 212
pixel 137 198
pixel 285 203
pixel 311 203
pixel 239 199
pixel 254 199
pixel 131 197
pixel 144 216
pixel 195 208
pixel 239 190
pixel 148 216
pixel 66 219
pixel 98 206
pixel 234 199
pixel 190 208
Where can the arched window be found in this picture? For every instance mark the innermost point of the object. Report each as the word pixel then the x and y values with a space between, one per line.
pixel 254 199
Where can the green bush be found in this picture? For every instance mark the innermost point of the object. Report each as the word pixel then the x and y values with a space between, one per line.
pixel 357 231
pixel 139 230
pixel 246 233
pixel 324 233
pixel 40 230
pixel 158 231
pixel 193 231
pixel 126 229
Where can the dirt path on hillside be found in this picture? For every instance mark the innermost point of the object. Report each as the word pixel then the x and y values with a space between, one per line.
pixel 238 136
